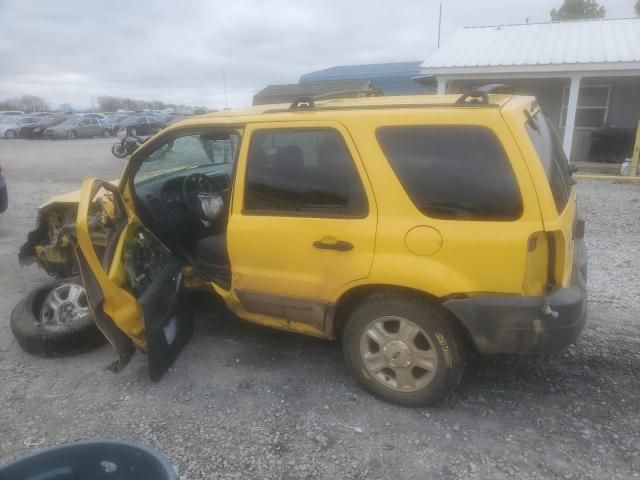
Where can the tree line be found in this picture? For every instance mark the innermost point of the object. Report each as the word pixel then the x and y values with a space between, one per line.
pixel 33 103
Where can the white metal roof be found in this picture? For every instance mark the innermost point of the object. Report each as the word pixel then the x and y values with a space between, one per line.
pixel 543 47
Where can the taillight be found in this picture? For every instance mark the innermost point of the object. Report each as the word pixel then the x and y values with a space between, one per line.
pixel 536 275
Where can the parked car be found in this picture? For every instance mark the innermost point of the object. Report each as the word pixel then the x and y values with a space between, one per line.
pixel 14 113
pixel 42 114
pixel 141 125
pixel 4 197
pixel 10 125
pixel 36 130
pixel 412 231
pixel 77 127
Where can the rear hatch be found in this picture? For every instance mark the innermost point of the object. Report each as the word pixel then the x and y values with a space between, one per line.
pixel 559 216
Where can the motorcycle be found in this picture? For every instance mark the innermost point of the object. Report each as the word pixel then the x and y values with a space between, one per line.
pixel 128 143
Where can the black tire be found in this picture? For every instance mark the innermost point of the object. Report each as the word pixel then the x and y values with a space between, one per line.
pixel 78 337
pixel 72 135
pixel 118 150
pixel 445 336
pixel 11 134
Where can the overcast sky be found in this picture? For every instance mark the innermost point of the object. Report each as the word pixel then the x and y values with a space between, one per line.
pixel 175 51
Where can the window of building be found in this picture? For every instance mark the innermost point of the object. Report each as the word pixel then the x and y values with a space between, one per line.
pixel 305 172
pixel 453 172
pixel 593 106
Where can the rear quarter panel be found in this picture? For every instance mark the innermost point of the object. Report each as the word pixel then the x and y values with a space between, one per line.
pixel 475 256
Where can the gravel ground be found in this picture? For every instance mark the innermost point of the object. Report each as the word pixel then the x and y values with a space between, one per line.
pixel 242 402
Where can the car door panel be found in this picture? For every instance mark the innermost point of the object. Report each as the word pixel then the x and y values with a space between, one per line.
pixel 288 267
pixel 149 311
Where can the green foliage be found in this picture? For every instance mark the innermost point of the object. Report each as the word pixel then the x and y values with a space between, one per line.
pixel 579 10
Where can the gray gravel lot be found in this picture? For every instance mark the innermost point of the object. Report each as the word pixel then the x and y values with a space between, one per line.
pixel 243 402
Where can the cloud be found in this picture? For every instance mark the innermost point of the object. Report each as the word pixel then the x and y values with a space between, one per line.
pixel 175 51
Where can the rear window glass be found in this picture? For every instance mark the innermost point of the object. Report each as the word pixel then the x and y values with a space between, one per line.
pixel 556 166
pixel 452 172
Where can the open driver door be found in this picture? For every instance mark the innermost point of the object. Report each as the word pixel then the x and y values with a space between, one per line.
pixel 134 284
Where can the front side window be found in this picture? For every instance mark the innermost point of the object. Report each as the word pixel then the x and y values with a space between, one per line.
pixel 453 172
pixel 306 172
pixel 188 152
pixel 549 149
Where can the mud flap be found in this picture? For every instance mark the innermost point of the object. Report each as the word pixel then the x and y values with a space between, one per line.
pixel 168 321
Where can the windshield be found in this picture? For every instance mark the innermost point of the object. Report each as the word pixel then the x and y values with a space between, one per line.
pixel 187 152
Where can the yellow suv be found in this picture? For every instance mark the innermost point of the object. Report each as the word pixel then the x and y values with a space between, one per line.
pixel 411 228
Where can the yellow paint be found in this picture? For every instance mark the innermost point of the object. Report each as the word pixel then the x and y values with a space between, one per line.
pixel 633 171
pixel 118 304
pixel 423 240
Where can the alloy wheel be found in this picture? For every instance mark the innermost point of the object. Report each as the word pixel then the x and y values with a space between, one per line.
pixel 65 305
pixel 398 354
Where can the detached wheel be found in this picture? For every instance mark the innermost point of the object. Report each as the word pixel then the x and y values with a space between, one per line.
pixel 55 320
pixel 403 349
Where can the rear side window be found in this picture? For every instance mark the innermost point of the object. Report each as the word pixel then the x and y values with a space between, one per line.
pixel 456 172
pixel 556 166
pixel 303 172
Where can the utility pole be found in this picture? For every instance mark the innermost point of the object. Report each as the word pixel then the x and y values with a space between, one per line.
pixel 224 82
pixel 439 24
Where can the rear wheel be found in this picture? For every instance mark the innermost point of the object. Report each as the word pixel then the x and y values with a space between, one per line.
pixel 106 133
pixel 72 135
pixel 10 134
pixel 403 349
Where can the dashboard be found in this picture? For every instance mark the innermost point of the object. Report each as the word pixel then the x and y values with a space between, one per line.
pixel 163 200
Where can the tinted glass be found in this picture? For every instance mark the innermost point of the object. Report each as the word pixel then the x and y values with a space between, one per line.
pixel 556 166
pixel 303 172
pixel 453 172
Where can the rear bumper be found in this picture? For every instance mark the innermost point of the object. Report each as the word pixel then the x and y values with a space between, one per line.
pixel 511 324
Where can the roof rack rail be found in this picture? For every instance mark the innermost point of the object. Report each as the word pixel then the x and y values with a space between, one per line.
pixel 481 94
pixel 307 102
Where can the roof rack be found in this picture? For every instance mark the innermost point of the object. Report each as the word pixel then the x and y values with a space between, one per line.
pixel 307 102
pixel 481 94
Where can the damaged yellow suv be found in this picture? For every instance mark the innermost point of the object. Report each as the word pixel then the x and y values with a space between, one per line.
pixel 411 228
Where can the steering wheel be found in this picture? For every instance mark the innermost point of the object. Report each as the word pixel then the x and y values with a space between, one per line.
pixel 193 185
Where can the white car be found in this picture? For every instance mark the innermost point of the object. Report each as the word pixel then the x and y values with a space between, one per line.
pixel 10 125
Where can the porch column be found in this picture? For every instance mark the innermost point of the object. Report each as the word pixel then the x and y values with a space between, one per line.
pixel 442 86
pixel 570 123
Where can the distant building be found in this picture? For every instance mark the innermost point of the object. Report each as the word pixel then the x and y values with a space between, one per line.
pixel 585 74
pixel 391 78
pixel 287 93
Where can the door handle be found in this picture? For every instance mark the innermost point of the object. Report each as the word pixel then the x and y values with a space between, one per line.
pixel 339 245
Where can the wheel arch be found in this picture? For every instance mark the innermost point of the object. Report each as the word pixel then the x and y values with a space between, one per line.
pixel 339 311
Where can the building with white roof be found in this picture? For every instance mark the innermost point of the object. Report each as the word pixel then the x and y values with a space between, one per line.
pixel 585 74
